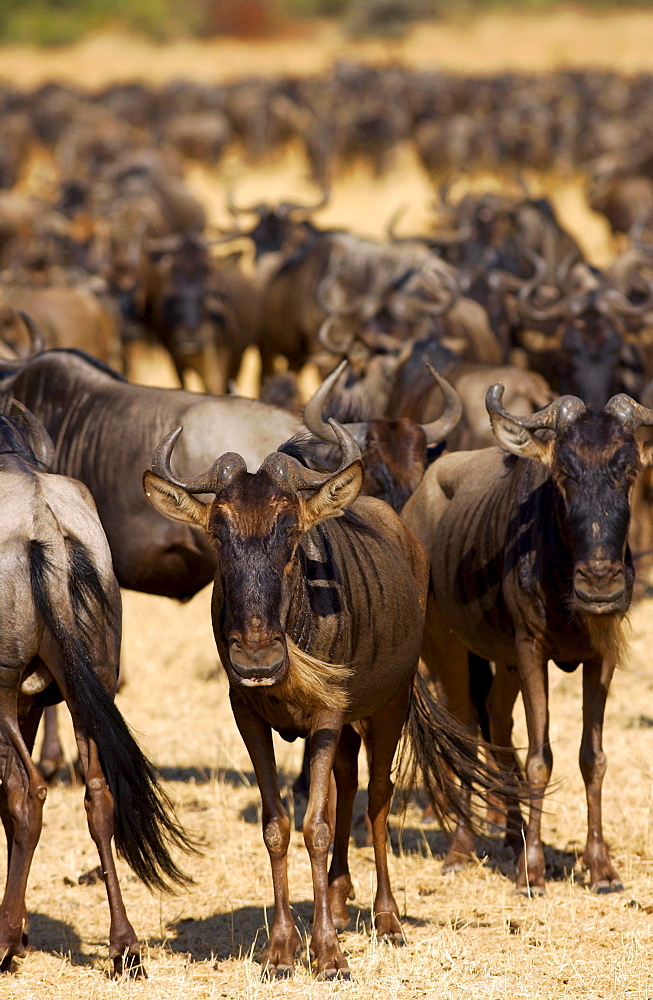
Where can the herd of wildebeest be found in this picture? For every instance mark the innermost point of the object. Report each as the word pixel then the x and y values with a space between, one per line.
pixel 386 560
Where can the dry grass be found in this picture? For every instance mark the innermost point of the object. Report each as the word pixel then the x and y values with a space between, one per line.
pixel 467 932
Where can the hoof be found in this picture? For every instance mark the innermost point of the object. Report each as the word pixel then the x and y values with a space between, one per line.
pixel 341 923
pixel 129 964
pixel 394 939
pixel 605 886
pixel 454 865
pixel 531 891
pixel 278 972
pixel 329 974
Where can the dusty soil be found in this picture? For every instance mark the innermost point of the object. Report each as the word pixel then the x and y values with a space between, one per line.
pixel 467 934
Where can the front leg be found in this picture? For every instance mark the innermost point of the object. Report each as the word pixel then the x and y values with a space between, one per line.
pixel 597 674
pixel 279 959
pixel 533 676
pixel 325 733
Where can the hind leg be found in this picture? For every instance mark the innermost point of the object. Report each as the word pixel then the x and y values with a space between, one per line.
pixel 124 947
pixel 23 794
pixel 500 704
pixel 345 769
pixel 382 734
pixel 446 659
pixel 51 759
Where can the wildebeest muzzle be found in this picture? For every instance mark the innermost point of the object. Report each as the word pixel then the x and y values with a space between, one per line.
pixel 259 662
pixel 599 583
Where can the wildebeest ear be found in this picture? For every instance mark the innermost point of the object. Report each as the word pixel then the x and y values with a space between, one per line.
pixel 174 502
pixel 520 440
pixel 333 496
pixel 645 452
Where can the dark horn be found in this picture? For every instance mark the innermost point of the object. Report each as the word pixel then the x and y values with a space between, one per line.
pixel 437 430
pixel 314 412
pixel 220 473
pixel 629 411
pixel 555 416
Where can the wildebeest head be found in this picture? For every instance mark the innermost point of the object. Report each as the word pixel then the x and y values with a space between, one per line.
pixel 184 303
pixel 594 458
pixel 255 522
pixel 396 452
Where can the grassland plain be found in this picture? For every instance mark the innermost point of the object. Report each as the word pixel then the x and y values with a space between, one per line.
pixel 467 934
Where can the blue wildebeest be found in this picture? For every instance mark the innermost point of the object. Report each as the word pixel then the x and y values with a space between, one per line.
pixel 530 562
pixel 104 431
pixel 317 610
pixel 60 639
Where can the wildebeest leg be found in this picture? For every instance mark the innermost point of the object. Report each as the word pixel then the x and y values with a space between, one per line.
pixel 597 675
pixel 383 731
pixel 24 791
pixel 51 759
pixel 325 733
pixel 124 947
pixel 447 661
pixel 257 735
pixel 345 769
pixel 539 761
pixel 500 704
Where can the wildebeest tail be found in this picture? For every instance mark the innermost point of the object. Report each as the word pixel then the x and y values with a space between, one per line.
pixel 448 758
pixel 145 828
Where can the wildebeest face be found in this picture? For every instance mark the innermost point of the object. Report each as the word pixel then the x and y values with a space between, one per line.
pixel 395 459
pixel 594 459
pixel 255 523
pixel 255 527
pixel 590 354
pixel 595 464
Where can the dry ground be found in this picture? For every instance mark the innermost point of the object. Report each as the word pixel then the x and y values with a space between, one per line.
pixel 467 934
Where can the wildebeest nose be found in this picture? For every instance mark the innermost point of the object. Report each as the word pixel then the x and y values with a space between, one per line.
pixel 257 662
pixel 599 581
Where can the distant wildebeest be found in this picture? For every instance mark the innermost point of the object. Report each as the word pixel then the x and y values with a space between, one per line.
pixel 60 639
pixel 104 430
pixel 317 613
pixel 530 562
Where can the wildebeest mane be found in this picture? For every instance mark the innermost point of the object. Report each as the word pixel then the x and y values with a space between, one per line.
pixel 95 362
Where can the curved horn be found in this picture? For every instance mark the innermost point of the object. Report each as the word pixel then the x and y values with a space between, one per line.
pixel 288 472
pixel 314 410
pixel 39 438
pixel 393 220
pixel 438 429
pixel 235 209
pixel 629 411
pixel 36 335
pixel 220 474
pixel 294 206
pixel 555 416
pixel 332 346
pixel 612 297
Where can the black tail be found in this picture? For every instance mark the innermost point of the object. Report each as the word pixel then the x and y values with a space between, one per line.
pixel 145 827
pixel 447 756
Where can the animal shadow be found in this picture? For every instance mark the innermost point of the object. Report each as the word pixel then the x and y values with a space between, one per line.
pixel 56 937
pixel 236 933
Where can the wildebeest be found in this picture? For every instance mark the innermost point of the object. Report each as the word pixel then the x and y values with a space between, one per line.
pixel 395 452
pixel 530 562
pixel 105 430
pixel 317 613
pixel 60 638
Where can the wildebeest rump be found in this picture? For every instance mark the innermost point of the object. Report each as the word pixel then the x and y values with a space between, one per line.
pixel 60 638
pixel 317 613
pixel 530 562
